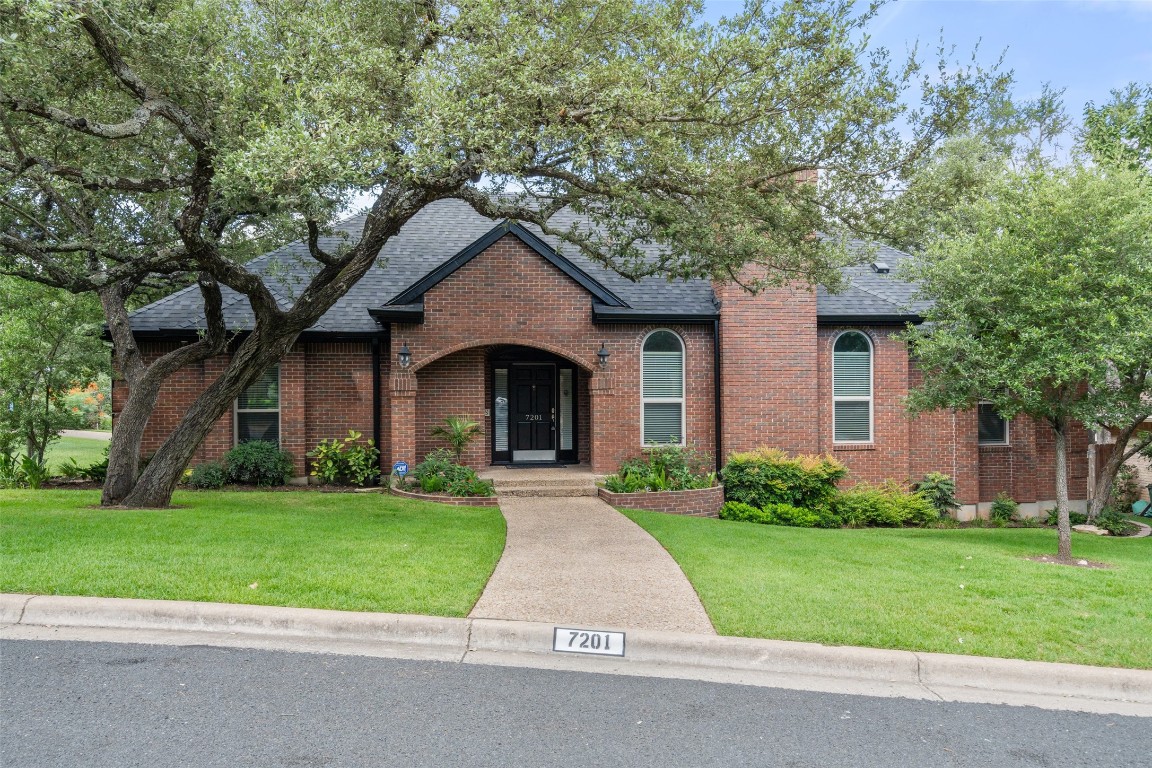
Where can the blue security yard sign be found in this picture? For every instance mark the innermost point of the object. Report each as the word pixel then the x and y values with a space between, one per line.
pixel 400 468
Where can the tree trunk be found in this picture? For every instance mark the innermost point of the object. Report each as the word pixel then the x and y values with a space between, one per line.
pixel 158 481
pixel 1107 477
pixel 144 381
pixel 128 433
pixel 1063 524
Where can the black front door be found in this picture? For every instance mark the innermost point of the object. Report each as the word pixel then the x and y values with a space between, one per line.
pixel 533 410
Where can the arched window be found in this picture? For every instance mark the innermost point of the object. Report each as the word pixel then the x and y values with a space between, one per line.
pixel 852 388
pixel 662 374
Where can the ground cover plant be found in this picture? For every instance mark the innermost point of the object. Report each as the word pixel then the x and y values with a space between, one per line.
pixel 663 468
pixel 359 552
pixel 438 473
pixel 970 591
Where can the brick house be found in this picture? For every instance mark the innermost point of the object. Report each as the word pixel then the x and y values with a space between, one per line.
pixel 467 316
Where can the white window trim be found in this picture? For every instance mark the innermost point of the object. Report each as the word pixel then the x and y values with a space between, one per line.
pixel 1007 428
pixel 683 399
pixel 236 411
pixel 871 398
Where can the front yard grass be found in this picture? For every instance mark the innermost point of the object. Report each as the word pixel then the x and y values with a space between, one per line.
pixel 358 552
pixel 969 591
pixel 86 451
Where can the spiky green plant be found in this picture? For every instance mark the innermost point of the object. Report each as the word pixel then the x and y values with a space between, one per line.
pixel 458 432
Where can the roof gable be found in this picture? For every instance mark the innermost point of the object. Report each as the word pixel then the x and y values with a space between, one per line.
pixel 414 293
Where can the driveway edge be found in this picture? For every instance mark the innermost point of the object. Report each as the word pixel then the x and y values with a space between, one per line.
pixel 772 663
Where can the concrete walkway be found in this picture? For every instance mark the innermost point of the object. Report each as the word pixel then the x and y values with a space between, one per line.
pixel 579 561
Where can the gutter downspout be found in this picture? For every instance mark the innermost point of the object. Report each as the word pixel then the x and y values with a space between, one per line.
pixel 717 399
pixel 376 395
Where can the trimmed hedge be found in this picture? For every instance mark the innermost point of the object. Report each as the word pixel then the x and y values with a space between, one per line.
pixel 886 505
pixel 768 476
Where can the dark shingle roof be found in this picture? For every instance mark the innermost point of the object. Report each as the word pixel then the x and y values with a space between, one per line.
pixel 447 227
pixel 871 295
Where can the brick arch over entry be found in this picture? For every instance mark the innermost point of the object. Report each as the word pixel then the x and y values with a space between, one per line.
pixel 495 341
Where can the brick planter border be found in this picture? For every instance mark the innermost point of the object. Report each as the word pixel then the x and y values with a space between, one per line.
pixel 455 501
pixel 698 502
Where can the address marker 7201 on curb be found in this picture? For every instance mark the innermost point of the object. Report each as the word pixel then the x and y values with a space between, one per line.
pixel 593 641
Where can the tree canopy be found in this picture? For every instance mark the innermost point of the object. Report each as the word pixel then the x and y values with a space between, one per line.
pixel 146 138
pixel 1041 303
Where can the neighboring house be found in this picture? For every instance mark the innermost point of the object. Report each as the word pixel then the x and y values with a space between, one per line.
pixel 503 325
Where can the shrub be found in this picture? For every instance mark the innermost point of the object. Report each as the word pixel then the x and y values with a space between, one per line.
pixel 345 461
pixel 210 474
pixel 438 473
pixel 887 505
pixel 663 468
pixel 770 476
pixel 1004 509
pixel 1074 518
pixel 777 514
pixel 1112 520
pixel 11 470
pixel 97 471
pixel 741 512
pixel 256 462
pixel 940 490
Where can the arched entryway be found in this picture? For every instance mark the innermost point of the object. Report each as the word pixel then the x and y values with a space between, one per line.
pixel 533 403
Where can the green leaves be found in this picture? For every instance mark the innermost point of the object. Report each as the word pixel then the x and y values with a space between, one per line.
pixel 1042 298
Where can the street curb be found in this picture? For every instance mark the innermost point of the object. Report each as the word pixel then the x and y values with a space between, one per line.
pixel 774 663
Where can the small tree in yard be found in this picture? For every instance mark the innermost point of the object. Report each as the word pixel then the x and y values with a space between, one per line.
pixel 143 139
pixel 48 345
pixel 1041 307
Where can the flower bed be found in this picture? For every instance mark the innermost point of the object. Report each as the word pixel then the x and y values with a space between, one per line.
pixel 695 502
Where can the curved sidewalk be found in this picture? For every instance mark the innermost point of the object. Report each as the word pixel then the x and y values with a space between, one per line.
pixel 579 561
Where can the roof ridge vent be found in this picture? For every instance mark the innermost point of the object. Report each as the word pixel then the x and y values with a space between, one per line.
pixel 881 267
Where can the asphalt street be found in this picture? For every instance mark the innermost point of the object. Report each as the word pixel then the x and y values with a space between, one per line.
pixel 99 704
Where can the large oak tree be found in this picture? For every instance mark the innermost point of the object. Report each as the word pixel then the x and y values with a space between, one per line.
pixel 150 138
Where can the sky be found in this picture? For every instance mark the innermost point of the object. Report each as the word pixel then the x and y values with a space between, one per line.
pixel 1088 47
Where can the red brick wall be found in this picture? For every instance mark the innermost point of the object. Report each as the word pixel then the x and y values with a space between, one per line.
pixel 698 502
pixel 325 390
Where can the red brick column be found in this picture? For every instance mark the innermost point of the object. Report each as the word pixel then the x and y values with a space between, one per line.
pixel 604 423
pixel 293 429
pixel 403 419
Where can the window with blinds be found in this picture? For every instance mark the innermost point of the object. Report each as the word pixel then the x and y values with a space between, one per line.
pixel 662 377
pixel 852 388
pixel 258 409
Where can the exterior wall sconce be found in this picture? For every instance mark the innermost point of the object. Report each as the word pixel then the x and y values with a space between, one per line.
pixel 405 356
pixel 603 354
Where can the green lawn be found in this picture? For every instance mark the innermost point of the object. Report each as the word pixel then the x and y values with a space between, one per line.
pixel 84 450
pixel 968 591
pixel 360 552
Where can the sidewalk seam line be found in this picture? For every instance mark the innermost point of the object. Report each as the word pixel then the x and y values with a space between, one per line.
pixel 23 608
pixel 920 678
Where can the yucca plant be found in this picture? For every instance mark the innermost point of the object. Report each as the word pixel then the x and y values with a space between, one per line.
pixel 458 432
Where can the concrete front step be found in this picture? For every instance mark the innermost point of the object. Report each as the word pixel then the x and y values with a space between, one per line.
pixel 544 482
pixel 550 491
